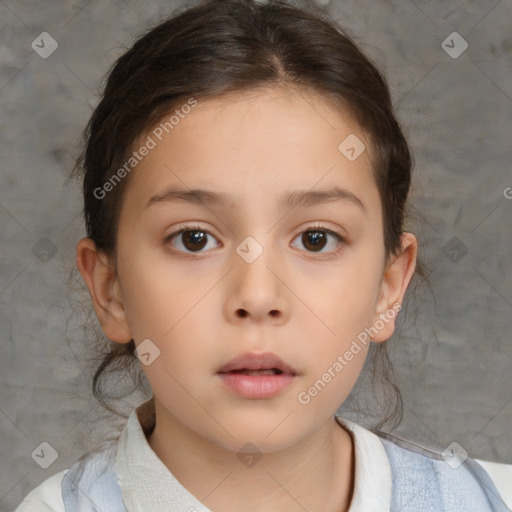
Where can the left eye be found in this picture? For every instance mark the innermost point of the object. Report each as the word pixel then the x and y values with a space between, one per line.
pixel 316 238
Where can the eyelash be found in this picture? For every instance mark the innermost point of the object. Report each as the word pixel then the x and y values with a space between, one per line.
pixel 316 227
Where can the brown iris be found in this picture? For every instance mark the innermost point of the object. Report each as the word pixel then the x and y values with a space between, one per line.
pixel 194 239
pixel 314 239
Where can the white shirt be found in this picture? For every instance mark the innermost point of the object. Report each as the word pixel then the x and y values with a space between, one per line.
pixel 147 485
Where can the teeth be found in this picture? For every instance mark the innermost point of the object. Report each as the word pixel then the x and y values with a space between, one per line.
pixel 257 372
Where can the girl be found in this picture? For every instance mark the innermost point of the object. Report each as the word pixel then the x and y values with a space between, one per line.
pixel 245 184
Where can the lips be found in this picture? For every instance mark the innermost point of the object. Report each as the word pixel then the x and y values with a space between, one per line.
pixel 250 363
pixel 256 376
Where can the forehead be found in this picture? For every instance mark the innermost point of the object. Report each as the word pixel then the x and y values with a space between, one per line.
pixel 269 140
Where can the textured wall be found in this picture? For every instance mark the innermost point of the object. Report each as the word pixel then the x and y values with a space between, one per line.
pixel 455 104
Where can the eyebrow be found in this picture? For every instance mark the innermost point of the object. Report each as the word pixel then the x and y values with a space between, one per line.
pixel 294 199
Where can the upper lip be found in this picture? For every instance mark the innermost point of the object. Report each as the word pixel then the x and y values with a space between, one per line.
pixel 253 361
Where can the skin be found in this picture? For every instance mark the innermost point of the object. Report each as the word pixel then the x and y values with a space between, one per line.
pixel 203 308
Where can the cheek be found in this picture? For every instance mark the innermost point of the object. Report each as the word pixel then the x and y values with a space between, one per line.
pixel 174 310
pixel 157 295
pixel 338 344
pixel 328 388
pixel 347 302
pixel 183 367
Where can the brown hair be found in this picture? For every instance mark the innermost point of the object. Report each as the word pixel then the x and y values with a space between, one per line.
pixel 216 47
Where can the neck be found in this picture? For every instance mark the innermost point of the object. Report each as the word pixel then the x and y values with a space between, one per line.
pixel 315 474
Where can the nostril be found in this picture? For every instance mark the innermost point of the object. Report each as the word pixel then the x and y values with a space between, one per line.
pixel 243 313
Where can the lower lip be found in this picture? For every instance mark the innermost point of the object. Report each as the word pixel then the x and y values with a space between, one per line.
pixel 256 386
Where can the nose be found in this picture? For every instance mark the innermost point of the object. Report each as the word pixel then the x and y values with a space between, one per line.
pixel 257 290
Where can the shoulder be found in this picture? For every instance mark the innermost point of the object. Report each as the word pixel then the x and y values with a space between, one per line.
pixel 501 475
pixel 452 478
pixel 90 478
pixel 46 497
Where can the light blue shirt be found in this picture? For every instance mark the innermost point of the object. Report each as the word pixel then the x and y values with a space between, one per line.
pixel 129 477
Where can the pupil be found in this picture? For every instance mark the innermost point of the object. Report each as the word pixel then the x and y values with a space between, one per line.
pixel 317 239
pixel 192 239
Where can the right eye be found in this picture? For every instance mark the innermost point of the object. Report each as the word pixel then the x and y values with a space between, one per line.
pixel 192 239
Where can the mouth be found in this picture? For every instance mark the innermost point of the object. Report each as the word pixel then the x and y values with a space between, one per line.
pixel 251 363
pixel 246 371
pixel 256 376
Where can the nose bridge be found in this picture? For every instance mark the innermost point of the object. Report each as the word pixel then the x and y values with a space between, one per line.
pixel 257 288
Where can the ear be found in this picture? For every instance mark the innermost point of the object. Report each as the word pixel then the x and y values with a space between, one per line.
pixel 395 280
pixel 101 280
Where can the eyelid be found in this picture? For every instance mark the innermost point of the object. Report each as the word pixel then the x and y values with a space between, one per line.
pixel 194 226
pixel 322 227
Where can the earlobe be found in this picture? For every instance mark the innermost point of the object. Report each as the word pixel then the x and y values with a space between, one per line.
pixel 395 280
pixel 101 280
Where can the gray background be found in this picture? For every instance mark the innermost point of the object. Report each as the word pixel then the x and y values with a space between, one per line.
pixel 454 361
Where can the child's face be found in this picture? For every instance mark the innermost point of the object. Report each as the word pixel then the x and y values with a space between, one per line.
pixel 202 307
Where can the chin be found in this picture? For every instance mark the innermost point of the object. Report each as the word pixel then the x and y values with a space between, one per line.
pixel 270 434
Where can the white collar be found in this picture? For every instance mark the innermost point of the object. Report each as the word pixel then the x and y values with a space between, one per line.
pixel 372 482
pixel 147 485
